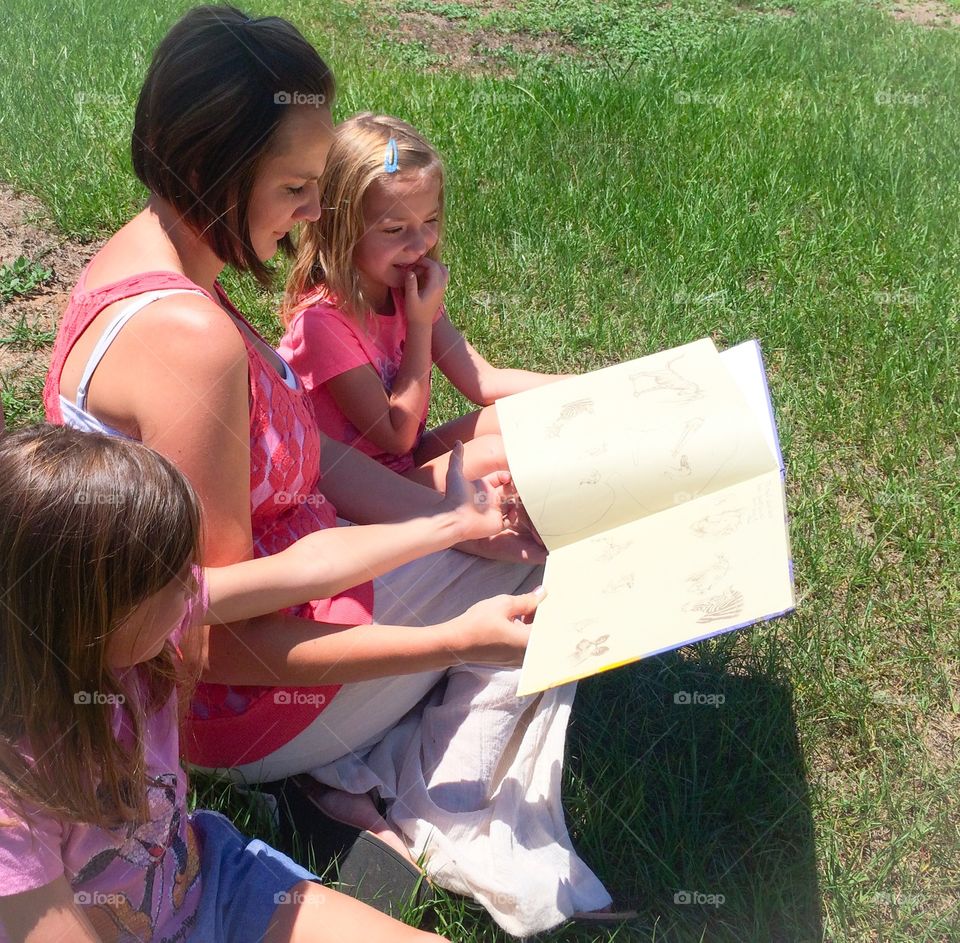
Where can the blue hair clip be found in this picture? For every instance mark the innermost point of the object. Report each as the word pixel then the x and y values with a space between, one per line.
pixel 391 160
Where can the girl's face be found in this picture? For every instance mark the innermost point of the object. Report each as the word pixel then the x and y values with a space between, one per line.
pixel 401 219
pixel 142 634
pixel 285 190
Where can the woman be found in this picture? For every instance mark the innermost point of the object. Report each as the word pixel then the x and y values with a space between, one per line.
pixel 231 134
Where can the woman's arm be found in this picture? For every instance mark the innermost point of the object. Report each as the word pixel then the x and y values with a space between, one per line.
pixel 181 368
pixel 48 914
pixel 472 374
pixel 365 491
pixel 278 649
pixel 185 378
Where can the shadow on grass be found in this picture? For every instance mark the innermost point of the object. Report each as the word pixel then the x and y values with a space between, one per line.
pixel 686 790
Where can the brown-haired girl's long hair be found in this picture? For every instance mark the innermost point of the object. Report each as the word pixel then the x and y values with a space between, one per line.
pixel 356 160
pixel 91 527
pixel 218 87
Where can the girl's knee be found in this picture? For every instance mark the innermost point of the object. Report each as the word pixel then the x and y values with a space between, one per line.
pixel 484 455
pixel 491 446
pixel 314 913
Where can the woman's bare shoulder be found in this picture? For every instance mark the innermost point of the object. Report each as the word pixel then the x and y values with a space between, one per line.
pixel 192 332
pixel 190 325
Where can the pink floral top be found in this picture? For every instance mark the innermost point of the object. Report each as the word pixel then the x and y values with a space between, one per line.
pixel 234 725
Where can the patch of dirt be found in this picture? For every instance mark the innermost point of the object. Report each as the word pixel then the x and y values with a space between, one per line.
pixel 485 6
pixel 855 517
pixel 476 51
pixel 779 11
pixel 941 738
pixel 464 47
pixel 941 730
pixel 26 231
pixel 926 13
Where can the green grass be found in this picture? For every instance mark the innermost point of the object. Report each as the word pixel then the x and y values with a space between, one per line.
pixel 19 393
pixel 21 277
pixel 21 400
pixel 613 35
pixel 786 178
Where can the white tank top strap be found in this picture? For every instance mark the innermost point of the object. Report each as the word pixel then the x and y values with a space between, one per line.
pixel 113 329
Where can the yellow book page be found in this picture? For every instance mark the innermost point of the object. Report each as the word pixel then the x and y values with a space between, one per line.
pixel 694 570
pixel 596 451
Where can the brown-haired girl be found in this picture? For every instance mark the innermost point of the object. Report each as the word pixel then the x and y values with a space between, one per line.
pixel 361 623
pixel 364 315
pixel 100 599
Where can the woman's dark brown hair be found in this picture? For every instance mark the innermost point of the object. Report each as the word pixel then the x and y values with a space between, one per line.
pixel 218 87
pixel 92 527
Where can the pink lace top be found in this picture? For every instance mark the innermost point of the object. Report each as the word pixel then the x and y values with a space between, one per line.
pixel 233 725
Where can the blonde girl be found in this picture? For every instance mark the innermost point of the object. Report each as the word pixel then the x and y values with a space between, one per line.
pixel 364 314
pixel 100 608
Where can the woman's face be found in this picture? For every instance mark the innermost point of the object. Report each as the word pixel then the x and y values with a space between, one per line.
pixel 285 191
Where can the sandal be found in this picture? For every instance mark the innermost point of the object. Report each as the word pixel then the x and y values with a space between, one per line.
pixel 605 917
pixel 366 867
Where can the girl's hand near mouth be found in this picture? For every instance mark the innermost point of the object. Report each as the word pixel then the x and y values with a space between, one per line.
pixel 424 285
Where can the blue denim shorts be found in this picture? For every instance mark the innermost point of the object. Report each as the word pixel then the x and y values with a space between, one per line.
pixel 243 882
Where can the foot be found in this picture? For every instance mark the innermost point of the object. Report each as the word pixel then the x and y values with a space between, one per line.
pixel 360 812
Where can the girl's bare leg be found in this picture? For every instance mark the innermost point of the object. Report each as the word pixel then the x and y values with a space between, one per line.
pixel 437 441
pixel 481 456
pixel 311 913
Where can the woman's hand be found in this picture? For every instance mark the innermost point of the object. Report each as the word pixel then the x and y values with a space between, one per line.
pixel 496 631
pixel 492 520
pixel 481 505
pixel 424 287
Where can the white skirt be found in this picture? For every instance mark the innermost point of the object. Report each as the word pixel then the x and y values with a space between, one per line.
pixel 471 773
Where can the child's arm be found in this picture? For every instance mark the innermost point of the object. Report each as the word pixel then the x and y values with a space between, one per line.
pixel 324 563
pixel 476 378
pixel 48 914
pixel 392 420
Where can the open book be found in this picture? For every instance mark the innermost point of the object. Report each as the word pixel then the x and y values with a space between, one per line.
pixel 657 487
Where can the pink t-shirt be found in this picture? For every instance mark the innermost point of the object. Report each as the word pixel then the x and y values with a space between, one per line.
pixel 132 882
pixel 321 342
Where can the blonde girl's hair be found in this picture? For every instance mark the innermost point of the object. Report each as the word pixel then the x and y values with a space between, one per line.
pixel 357 159
pixel 92 527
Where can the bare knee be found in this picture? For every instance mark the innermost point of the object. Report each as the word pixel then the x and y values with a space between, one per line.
pixel 483 455
pixel 311 913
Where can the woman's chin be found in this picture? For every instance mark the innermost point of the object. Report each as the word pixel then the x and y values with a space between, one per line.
pixel 269 248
